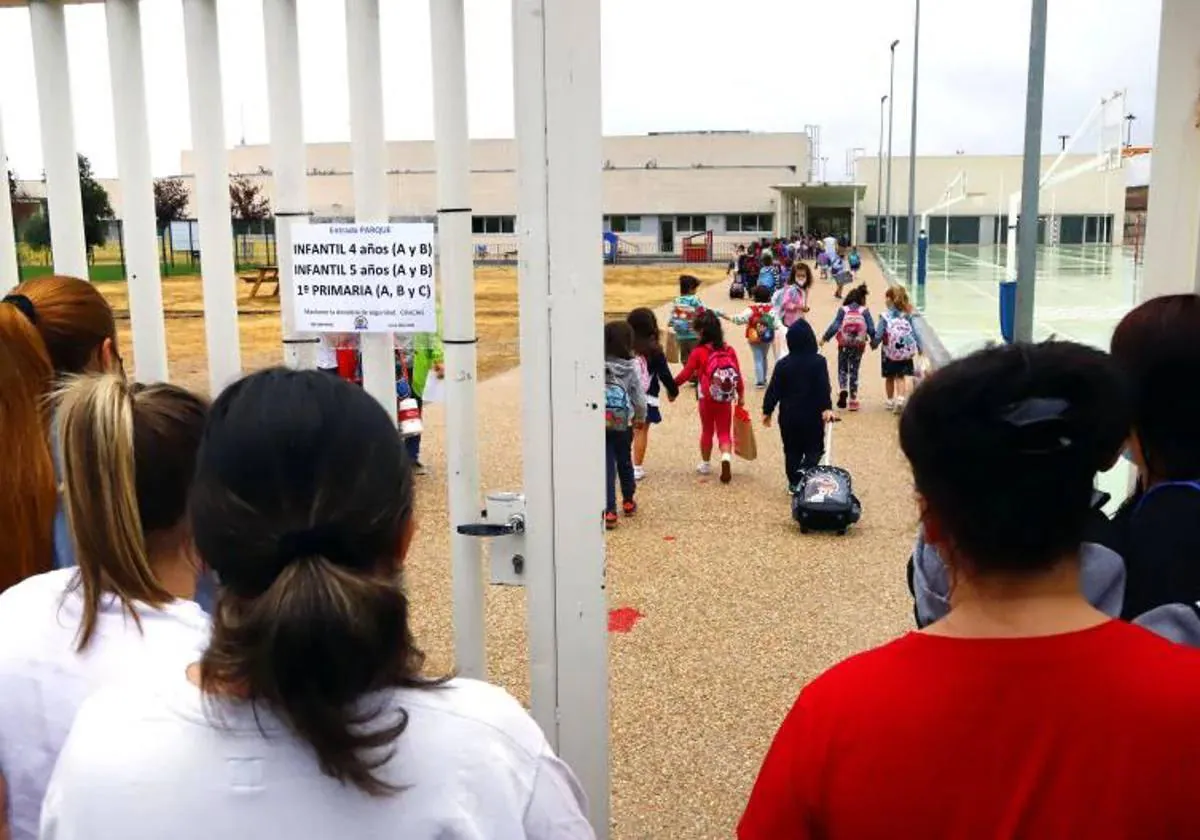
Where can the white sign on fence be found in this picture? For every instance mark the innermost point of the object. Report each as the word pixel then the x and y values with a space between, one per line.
pixel 371 278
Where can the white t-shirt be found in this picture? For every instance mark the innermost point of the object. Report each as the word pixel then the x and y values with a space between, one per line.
pixel 149 764
pixel 831 246
pixel 43 680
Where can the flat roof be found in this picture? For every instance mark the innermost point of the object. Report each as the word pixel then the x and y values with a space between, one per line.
pixel 824 194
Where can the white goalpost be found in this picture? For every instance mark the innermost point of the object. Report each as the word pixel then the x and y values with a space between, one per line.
pixel 1107 115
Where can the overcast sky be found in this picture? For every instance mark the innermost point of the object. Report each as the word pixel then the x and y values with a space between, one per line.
pixel 669 65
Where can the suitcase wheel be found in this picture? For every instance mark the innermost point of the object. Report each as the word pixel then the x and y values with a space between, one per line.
pixel 803 529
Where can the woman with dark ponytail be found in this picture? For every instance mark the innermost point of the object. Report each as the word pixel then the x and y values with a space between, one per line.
pixel 1027 710
pixel 308 715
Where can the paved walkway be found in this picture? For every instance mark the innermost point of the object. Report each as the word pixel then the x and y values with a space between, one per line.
pixel 738 609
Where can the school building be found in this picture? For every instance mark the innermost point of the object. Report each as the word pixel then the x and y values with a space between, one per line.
pixel 664 190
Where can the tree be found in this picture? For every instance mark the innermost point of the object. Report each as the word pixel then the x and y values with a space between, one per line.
pixel 246 200
pixel 170 201
pixel 37 231
pixel 97 211
pixel 13 189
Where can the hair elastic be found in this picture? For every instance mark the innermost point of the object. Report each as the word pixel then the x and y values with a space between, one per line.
pixel 24 304
pixel 1040 425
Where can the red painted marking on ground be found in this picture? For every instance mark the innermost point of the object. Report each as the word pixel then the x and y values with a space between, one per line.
pixel 622 619
pixel 669 539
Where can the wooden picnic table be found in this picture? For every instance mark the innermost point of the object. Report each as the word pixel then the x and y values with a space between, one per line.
pixel 263 274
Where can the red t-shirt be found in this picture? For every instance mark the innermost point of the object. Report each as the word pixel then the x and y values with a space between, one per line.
pixel 1092 734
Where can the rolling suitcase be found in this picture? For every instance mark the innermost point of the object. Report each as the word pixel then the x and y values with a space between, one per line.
pixel 823 499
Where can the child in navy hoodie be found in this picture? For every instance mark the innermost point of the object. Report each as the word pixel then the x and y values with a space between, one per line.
pixel 800 388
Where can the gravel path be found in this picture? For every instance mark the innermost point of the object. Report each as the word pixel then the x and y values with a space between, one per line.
pixel 739 609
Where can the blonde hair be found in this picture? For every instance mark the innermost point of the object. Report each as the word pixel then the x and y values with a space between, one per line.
pixel 48 326
pixel 128 451
pixel 897 296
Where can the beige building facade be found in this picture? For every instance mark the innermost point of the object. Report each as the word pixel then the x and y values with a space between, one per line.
pixel 662 189
pixel 969 196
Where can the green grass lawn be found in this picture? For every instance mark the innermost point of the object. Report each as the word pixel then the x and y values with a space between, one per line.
pixel 111 272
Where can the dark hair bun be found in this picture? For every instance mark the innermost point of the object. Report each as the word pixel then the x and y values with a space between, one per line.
pixel 1005 443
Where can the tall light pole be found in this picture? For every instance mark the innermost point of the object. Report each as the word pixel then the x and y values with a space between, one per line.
pixel 912 154
pixel 1030 176
pixel 889 228
pixel 879 167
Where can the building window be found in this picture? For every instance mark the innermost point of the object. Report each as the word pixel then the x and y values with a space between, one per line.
pixel 749 223
pixel 624 224
pixel 493 224
pixel 691 224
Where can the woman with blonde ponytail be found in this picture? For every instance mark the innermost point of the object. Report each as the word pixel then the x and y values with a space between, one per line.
pixel 128 453
pixel 308 716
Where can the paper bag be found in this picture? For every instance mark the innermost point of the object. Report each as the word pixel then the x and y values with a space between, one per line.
pixel 744 445
pixel 672 350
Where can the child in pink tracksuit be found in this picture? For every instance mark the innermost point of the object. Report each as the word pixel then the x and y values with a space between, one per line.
pixel 721 387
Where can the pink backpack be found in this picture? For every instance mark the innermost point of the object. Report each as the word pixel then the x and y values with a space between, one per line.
pixel 722 376
pixel 853 331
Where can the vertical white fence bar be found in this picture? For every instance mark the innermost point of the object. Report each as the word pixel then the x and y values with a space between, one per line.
pixel 137 189
pixel 1173 217
pixel 52 69
pixel 369 156
pixel 288 162
pixel 211 197
pixel 9 268
pixel 457 264
pixel 557 96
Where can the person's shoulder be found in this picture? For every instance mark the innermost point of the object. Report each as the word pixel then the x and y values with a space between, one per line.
pixel 34 596
pixel 865 671
pixel 493 713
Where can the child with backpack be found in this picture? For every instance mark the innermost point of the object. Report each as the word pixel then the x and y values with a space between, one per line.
pixel 854 260
pixel 768 274
pixel 800 388
pixel 624 411
pixel 721 388
pixel 901 346
pixel 854 329
pixel 653 370
pixel 736 289
pixel 684 310
pixel 761 326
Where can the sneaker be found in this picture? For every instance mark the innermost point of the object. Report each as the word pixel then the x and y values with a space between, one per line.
pixel 760 385
pixel 638 473
pixel 705 468
pixel 854 405
pixel 629 507
pixel 610 520
pixel 900 404
pixel 889 405
pixel 726 468
pixel 841 403
pixel 419 469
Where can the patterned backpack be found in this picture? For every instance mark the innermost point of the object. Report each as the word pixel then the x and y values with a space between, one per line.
pixel 618 407
pixel 761 329
pixel 853 331
pixel 900 344
pixel 722 376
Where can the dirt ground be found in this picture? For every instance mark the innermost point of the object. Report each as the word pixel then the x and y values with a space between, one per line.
pixel 626 287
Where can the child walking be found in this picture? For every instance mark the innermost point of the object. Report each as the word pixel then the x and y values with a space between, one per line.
pixel 761 327
pixel 624 411
pixel 901 346
pixel 653 370
pixel 721 387
pixel 800 389
pixel 854 329
pixel 684 310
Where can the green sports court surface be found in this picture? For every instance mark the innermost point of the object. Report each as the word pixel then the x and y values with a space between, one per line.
pixel 1082 292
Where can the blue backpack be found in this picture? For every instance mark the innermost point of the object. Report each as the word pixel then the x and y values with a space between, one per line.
pixel 618 407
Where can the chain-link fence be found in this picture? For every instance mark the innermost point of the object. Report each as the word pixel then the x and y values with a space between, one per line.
pixel 178 248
